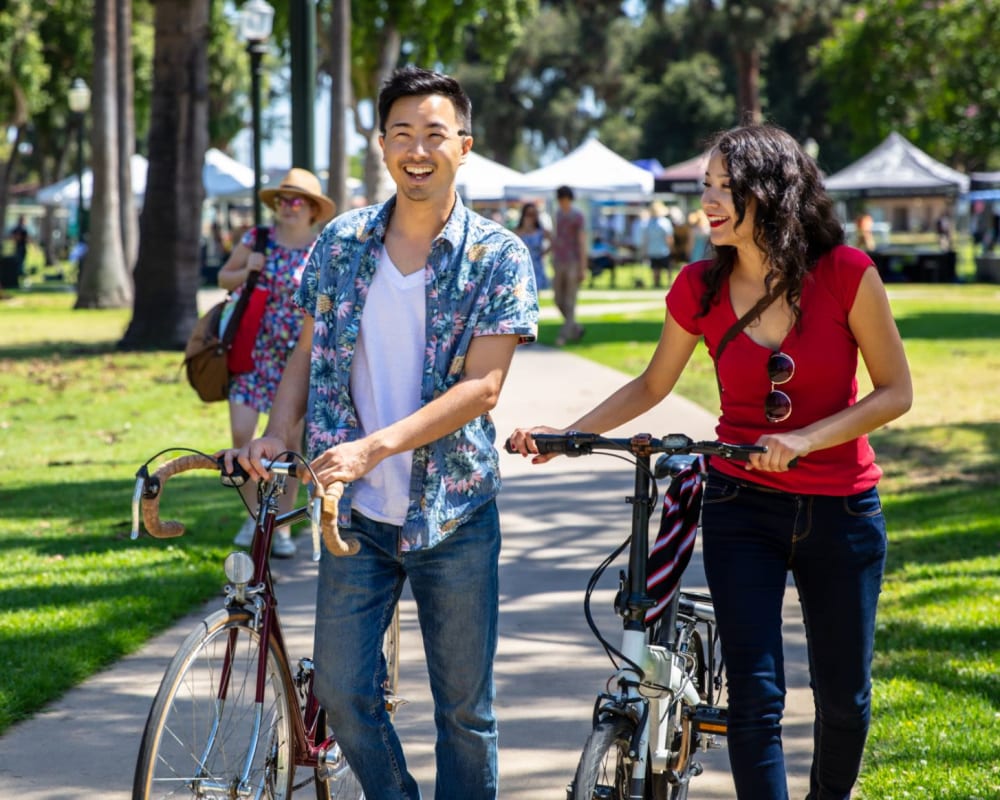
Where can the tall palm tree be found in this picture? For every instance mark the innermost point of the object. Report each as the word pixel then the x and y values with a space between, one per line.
pixel 104 279
pixel 168 270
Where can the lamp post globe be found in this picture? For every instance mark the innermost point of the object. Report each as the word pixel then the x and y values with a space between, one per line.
pixel 256 18
pixel 79 103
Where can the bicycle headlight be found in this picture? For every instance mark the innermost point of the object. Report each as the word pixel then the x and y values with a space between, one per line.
pixel 239 568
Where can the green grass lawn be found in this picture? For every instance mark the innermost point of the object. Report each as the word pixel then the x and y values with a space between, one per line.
pixel 77 418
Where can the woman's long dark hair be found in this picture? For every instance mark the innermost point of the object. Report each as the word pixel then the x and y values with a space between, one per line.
pixel 795 222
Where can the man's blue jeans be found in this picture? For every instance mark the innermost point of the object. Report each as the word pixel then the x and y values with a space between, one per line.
pixel 835 548
pixel 455 585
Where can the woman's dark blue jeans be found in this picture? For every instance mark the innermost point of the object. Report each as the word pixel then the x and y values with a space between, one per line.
pixel 835 548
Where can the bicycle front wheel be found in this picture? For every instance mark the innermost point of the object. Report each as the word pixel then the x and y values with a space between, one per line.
pixel 206 736
pixel 605 769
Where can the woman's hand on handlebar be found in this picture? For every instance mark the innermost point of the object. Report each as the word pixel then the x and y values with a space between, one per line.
pixel 522 441
pixel 783 451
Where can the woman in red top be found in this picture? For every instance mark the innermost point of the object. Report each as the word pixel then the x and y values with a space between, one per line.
pixel 787 381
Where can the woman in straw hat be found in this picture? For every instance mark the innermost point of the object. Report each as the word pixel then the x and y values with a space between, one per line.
pixel 299 205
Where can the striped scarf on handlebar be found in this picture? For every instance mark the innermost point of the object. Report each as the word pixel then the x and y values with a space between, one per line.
pixel 671 552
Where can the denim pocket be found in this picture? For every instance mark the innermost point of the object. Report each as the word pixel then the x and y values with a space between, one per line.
pixel 719 489
pixel 863 504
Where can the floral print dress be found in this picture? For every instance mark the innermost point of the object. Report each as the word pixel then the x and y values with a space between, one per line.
pixel 279 328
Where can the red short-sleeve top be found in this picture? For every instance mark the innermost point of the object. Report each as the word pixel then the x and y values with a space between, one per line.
pixel 825 379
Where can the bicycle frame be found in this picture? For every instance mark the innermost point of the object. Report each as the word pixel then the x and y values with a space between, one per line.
pixel 650 671
pixel 657 690
pixel 307 751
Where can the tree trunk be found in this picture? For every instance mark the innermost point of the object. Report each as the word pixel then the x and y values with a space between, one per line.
pixel 168 271
pixel 104 280
pixel 748 95
pixel 126 134
pixel 340 101
pixel 378 184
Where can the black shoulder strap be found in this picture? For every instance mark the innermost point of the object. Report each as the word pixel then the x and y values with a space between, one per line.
pixel 742 322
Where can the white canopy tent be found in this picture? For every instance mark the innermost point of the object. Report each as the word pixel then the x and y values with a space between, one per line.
pixel 590 169
pixel 67 191
pixel 481 178
pixel 897 168
pixel 221 176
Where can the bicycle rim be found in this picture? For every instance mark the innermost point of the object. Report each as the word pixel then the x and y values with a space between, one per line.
pixel 195 746
pixel 605 770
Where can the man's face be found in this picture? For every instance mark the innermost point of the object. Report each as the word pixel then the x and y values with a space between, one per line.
pixel 423 147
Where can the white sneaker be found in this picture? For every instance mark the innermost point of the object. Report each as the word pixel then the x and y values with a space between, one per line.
pixel 282 545
pixel 245 536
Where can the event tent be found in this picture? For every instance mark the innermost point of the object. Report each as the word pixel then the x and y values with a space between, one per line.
pixel 984 186
pixel 686 177
pixel 481 178
pixel 67 191
pixel 590 169
pixel 221 175
pixel 897 168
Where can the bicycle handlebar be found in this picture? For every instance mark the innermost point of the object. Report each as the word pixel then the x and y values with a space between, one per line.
pixel 148 489
pixel 577 443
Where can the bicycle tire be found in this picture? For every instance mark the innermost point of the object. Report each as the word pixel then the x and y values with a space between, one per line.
pixel 185 716
pixel 605 770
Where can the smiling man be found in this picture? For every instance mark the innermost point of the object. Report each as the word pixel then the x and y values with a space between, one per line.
pixel 413 309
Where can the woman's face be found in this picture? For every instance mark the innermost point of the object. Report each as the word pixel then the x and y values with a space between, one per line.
pixel 717 202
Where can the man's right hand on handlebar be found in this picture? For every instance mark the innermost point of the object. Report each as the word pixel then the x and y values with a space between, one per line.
pixel 250 456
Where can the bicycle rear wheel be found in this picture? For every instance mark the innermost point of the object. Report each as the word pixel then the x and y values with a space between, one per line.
pixel 204 725
pixel 605 770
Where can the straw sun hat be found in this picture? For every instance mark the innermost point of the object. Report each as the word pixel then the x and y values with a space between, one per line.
pixel 303 183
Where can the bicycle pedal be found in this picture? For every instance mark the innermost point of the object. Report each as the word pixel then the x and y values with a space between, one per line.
pixel 710 719
pixel 392 702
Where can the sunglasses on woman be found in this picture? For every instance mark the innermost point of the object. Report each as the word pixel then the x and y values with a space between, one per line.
pixel 777 404
pixel 293 202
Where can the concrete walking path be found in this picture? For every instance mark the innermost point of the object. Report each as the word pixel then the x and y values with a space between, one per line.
pixel 559 520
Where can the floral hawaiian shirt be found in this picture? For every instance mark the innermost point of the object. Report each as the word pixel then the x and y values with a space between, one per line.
pixel 479 282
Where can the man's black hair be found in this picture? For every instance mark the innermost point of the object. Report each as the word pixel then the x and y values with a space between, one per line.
pixel 413 81
pixel 564 191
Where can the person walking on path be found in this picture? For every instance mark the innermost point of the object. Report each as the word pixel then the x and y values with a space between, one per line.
pixel 537 239
pixel 569 263
pixel 658 242
pixel 414 308
pixel 785 308
pixel 298 205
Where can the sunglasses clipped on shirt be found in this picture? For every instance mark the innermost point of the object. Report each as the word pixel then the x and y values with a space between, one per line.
pixel 777 404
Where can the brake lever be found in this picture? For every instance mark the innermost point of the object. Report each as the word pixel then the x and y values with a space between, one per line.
pixel 315 519
pixel 140 487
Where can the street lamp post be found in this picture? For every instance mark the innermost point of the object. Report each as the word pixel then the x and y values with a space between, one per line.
pixel 79 102
pixel 256 17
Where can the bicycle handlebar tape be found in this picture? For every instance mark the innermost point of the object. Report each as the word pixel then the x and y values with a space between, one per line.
pixel 151 505
pixel 328 523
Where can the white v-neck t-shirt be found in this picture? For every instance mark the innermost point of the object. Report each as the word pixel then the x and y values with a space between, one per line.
pixel 386 377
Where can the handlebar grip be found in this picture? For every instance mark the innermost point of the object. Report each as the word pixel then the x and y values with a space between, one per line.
pixel 328 522
pixel 151 504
